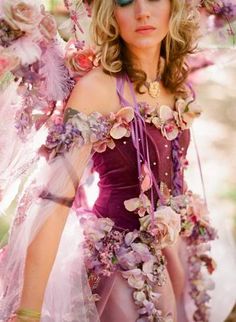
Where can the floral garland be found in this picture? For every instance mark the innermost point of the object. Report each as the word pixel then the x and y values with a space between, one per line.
pixel 171 121
pixel 78 129
pixel 196 230
pixel 32 57
pixel 137 255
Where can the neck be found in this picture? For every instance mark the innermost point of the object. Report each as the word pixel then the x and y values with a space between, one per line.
pixel 147 60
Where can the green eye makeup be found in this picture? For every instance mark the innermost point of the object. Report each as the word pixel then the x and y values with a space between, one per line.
pixel 123 3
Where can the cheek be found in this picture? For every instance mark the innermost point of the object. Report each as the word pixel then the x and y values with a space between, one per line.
pixel 123 22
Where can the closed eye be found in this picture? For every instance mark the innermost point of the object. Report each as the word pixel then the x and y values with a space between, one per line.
pixel 123 3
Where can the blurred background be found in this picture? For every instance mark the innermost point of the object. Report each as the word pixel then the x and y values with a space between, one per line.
pixel 215 135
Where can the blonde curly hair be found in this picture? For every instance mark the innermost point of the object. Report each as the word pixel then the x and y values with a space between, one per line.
pixel 177 45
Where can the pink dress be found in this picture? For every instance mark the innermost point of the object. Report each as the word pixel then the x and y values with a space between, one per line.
pixel 137 254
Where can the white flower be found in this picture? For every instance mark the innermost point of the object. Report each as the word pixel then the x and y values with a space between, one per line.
pixel 21 14
pixel 166 225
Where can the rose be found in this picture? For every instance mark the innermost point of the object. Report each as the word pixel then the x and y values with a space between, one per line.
pixel 165 228
pixel 21 15
pixel 8 61
pixel 48 27
pixel 80 62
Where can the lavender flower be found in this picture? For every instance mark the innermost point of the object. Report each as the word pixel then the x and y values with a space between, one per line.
pixel 23 122
pixel 60 140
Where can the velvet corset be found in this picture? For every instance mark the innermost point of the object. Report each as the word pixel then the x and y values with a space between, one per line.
pixel 118 172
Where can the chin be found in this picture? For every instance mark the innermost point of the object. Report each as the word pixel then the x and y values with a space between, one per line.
pixel 146 44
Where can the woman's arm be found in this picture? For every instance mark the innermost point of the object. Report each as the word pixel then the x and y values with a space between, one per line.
pixel 87 97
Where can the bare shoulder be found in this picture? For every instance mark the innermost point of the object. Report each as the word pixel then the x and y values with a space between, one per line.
pixel 96 91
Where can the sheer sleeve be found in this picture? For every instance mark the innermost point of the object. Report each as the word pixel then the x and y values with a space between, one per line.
pixel 62 162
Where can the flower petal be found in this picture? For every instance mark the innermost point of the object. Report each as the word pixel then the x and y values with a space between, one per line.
pixel 118 131
pixel 132 204
pixel 126 114
pixel 166 113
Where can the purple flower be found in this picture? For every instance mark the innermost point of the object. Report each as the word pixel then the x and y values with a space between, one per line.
pixel 23 122
pixel 60 140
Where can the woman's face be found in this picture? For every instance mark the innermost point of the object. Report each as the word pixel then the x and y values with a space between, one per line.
pixel 142 23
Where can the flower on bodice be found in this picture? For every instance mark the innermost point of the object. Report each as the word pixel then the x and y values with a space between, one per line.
pixel 171 121
pixel 119 126
pixel 165 226
pixel 186 111
pixel 168 125
pixel 140 205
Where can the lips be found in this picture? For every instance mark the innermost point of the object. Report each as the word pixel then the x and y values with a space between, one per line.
pixel 145 28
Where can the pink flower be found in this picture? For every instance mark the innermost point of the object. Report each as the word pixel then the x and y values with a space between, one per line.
pixel 148 267
pixel 141 205
pixel 130 237
pixel 186 112
pixel 97 228
pixel 142 250
pixel 101 146
pixel 129 260
pixel 146 183
pixel 121 122
pixel 165 228
pixel 135 278
pixel 198 207
pixel 139 297
pixel 8 61
pixel 80 62
pixel 21 15
pixel 169 128
pixel 48 26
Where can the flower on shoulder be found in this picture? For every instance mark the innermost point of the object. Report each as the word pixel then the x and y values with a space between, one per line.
pixel 165 228
pixel 80 60
pixel 186 111
pixel 140 205
pixel 61 138
pixel 135 278
pixel 21 14
pixel 101 146
pixel 169 128
pixel 121 122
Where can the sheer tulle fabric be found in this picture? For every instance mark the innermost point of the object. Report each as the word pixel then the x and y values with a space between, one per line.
pixel 31 214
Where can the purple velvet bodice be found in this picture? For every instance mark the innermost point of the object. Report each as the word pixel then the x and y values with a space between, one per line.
pixel 118 172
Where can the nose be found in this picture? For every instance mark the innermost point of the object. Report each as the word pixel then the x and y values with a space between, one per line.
pixel 142 10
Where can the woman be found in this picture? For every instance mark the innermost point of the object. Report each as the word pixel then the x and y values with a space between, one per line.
pixel 131 115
